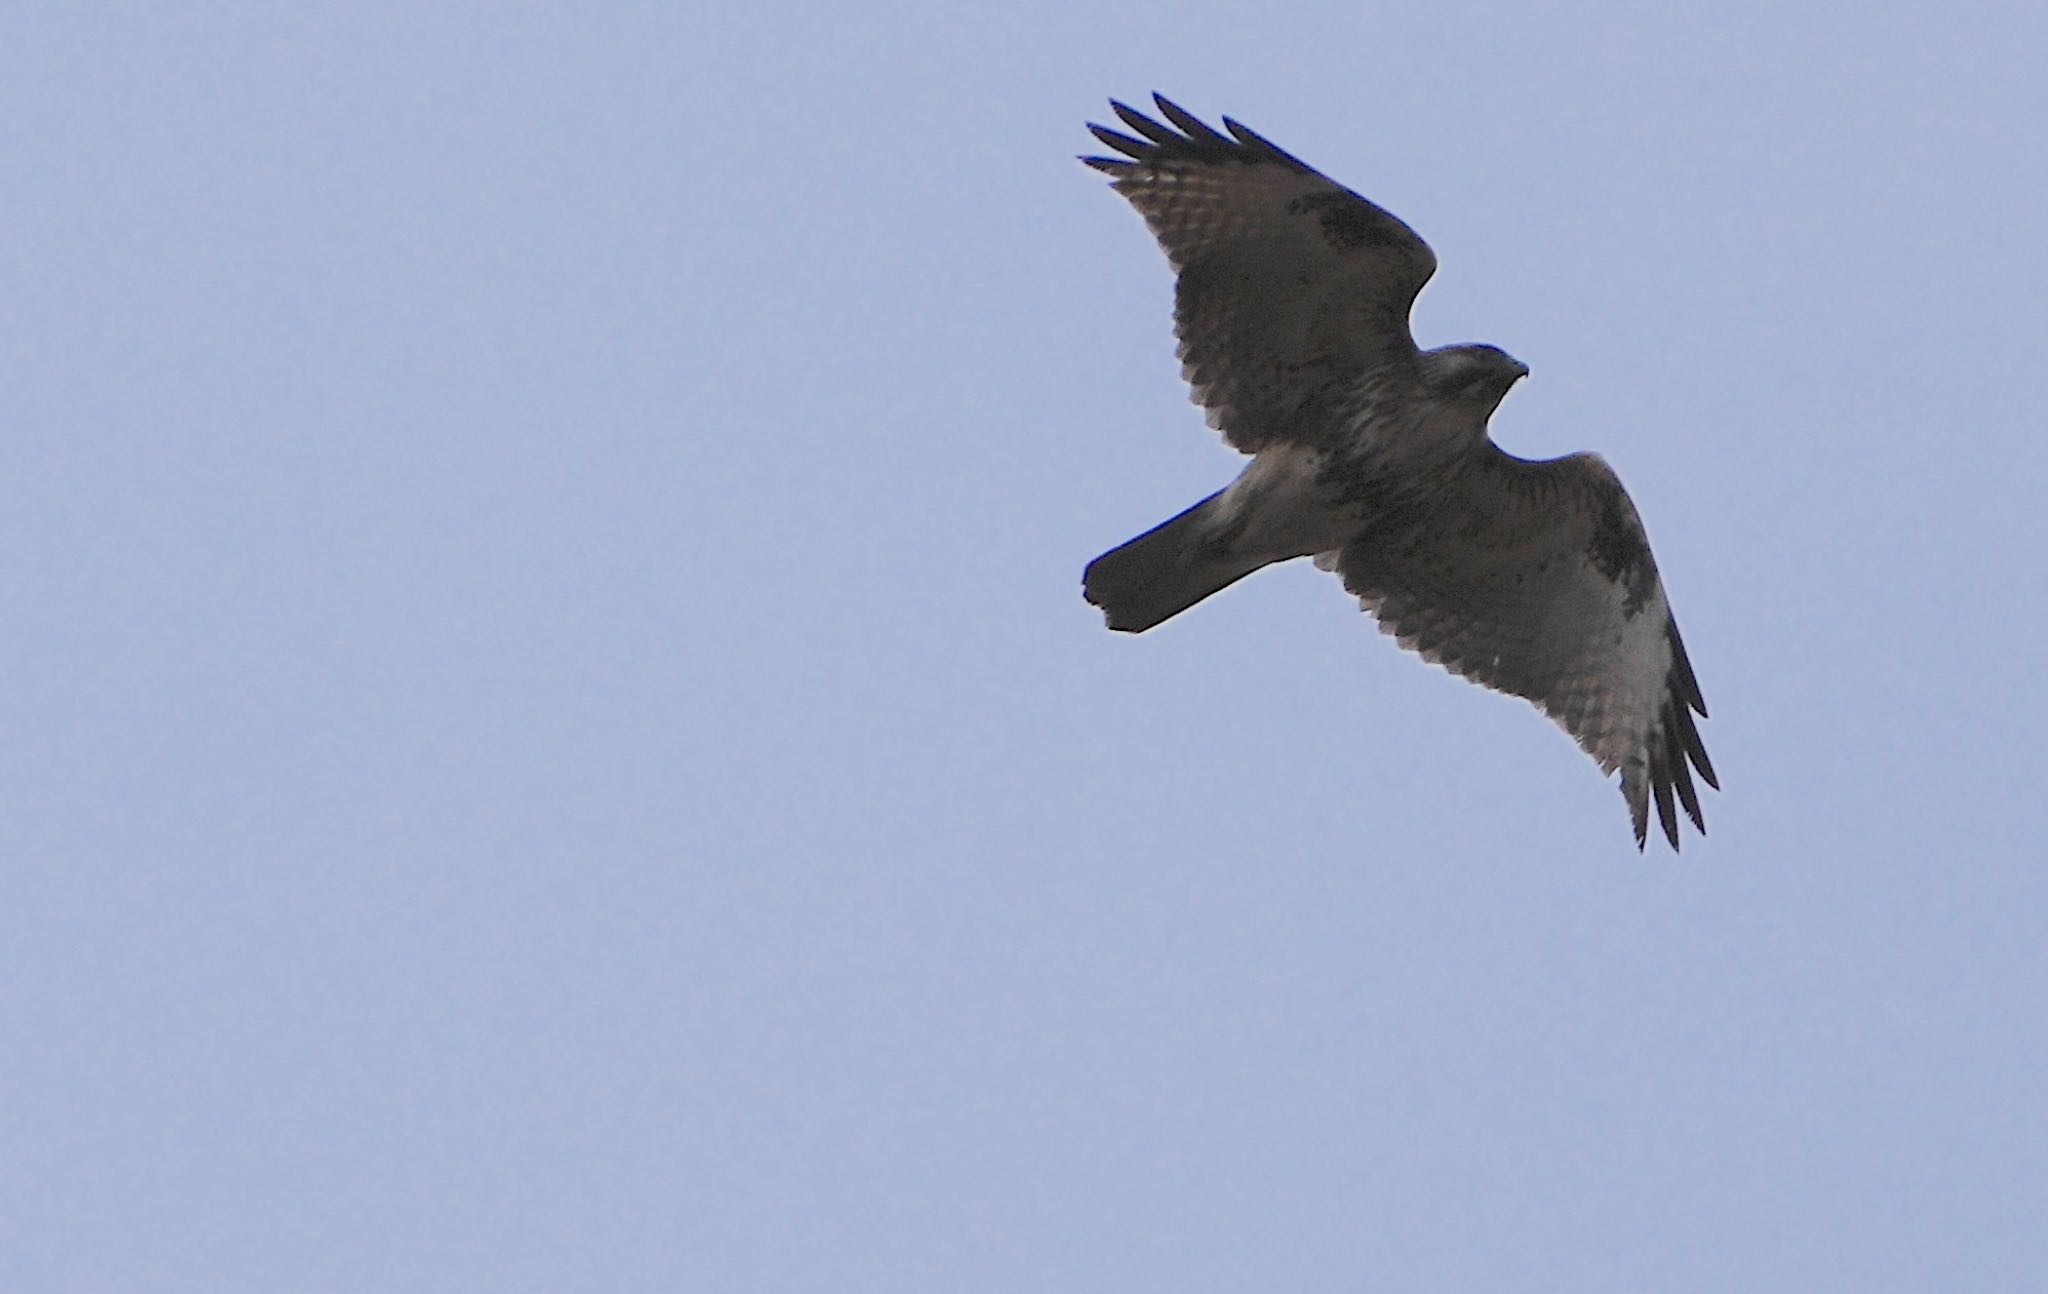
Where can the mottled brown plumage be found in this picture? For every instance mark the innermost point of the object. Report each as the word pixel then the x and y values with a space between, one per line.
pixel 1531 578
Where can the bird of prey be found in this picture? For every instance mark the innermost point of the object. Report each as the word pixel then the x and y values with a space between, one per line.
pixel 1372 457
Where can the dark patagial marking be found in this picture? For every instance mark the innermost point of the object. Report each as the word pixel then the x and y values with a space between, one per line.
pixel 1620 553
pixel 1348 223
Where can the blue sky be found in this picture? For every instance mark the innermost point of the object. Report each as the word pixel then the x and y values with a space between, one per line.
pixel 550 738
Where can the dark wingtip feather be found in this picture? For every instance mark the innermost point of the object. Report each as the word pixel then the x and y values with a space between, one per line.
pixel 1244 134
pixel 1681 775
pixel 1108 165
pixel 1121 142
pixel 1192 126
pixel 1143 124
pixel 1638 809
pixel 1695 749
pixel 1660 784
pixel 1681 669
pixel 1685 686
pixel 1188 138
pixel 1258 143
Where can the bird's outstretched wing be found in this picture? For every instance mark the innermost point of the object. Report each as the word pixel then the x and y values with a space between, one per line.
pixel 1535 578
pixel 1291 286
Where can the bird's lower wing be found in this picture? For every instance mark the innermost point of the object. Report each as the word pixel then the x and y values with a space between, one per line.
pixel 1536 579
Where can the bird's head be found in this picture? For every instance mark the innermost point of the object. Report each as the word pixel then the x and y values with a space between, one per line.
pixel 1474 374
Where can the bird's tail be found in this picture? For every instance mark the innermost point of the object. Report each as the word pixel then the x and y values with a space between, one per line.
pixel 1164 571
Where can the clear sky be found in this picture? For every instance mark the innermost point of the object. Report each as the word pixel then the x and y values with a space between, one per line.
pixel 549 738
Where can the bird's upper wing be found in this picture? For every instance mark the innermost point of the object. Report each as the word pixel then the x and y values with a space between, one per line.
pixel 1290 284
pixel 1535 578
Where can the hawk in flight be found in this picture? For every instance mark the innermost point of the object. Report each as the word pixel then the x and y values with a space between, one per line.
pixel 1372 457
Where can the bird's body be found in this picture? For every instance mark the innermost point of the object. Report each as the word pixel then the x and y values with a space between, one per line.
pixel 1371 456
